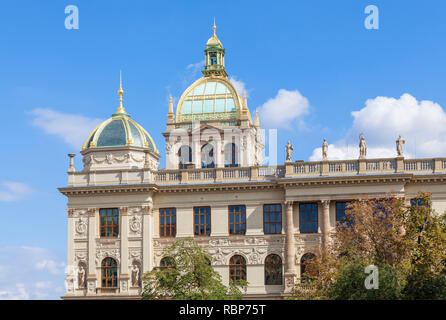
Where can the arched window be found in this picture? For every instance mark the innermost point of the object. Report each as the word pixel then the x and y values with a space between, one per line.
pixel 237 268
pixel 184 156
pixel 207 156
pixel 303 265
pixel 273 270
pixel 231 155
pixel 109 273
pixel 167 263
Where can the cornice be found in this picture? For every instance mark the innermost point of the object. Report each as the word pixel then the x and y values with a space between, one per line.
pixel 345 180
pixel 279 183
pixel 87 190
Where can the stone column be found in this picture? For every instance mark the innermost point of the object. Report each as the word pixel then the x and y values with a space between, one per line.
pixel 92 235
pixel 290 267
pixel 325 226
pixel 124 235
pixel 147 233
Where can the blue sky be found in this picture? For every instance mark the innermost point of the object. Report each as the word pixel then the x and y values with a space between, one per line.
pixel 311 60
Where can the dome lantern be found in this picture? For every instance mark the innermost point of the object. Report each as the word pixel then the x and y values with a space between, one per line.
pixel 214 65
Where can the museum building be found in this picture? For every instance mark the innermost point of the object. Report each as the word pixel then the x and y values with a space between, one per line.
pixel 259 223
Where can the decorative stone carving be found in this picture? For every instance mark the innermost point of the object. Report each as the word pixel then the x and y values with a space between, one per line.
pixel 219 242
pixel 91 286
pixel 362 147
pixel 81 226
pixel 290 282
pixel 135 254
pixel 324 150
pixel 103 253
pixel 255 241
pixel 289 151
pixel 135 224
pixel 80 256
pixel 124 287
pixel 399 146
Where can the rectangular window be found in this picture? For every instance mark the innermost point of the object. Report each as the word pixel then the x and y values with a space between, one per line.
pixel 237 219
pixel 202 221
pixel 109 222
pixel 341 207
pixel 168 222
pixel 308 217
pixel 272 218
pixel 417 202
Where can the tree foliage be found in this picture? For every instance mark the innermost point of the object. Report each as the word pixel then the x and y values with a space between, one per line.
pixel 406 243
pixel 190 277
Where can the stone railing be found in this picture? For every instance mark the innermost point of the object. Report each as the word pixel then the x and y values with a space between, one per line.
pixel 298 169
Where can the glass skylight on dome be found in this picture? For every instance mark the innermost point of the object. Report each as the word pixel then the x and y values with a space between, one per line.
pixel 209 97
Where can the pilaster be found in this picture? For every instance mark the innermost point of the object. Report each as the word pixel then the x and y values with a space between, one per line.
pixel 147 236
pixel 325 223
pixel 124 276
pixel 92 235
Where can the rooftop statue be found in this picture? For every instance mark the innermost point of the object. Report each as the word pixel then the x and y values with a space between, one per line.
pixel 289 151
pixel 324 150
pixel 362 147
pixel 399 146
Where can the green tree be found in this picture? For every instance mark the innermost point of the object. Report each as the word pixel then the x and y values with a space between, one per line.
pixel 426 231
pixel 406 243
pixel 189 276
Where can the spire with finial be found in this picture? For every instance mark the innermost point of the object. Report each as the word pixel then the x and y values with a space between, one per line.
pixel 170 115
pixel 120 110
pixel 214 60
pixel 215 28
pixel 256 121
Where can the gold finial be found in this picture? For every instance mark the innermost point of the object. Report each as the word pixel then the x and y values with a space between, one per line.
pixel 215 28
pixel 120 92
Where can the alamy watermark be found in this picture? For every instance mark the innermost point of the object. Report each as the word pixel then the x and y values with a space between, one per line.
pixel 72 20
pixel 372 280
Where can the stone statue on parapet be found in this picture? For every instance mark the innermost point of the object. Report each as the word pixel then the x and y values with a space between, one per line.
pixel 324 150
pixel 399 146
pixel 289 151
pixel 362 147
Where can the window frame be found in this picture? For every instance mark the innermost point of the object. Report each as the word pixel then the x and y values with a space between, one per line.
pixel 107 227
pixel 105 277
pixel 234 223
pixel 311 221
pixel 307 256
pixel 243 275
pixel 205 223
pixel 231 153
pixel 207 156
pixel 278 272
pixel 182 165
pixel 169 227
pixel 275 222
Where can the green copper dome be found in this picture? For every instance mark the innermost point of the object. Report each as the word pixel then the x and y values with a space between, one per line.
pixel 119 131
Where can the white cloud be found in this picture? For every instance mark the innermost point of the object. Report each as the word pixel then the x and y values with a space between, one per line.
pixel 421 123
pixel 72 128
pixel 240 86
pixel 51 266
pixel 16 293
pixel 283 110
pixel 30 273
pixel 14 191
